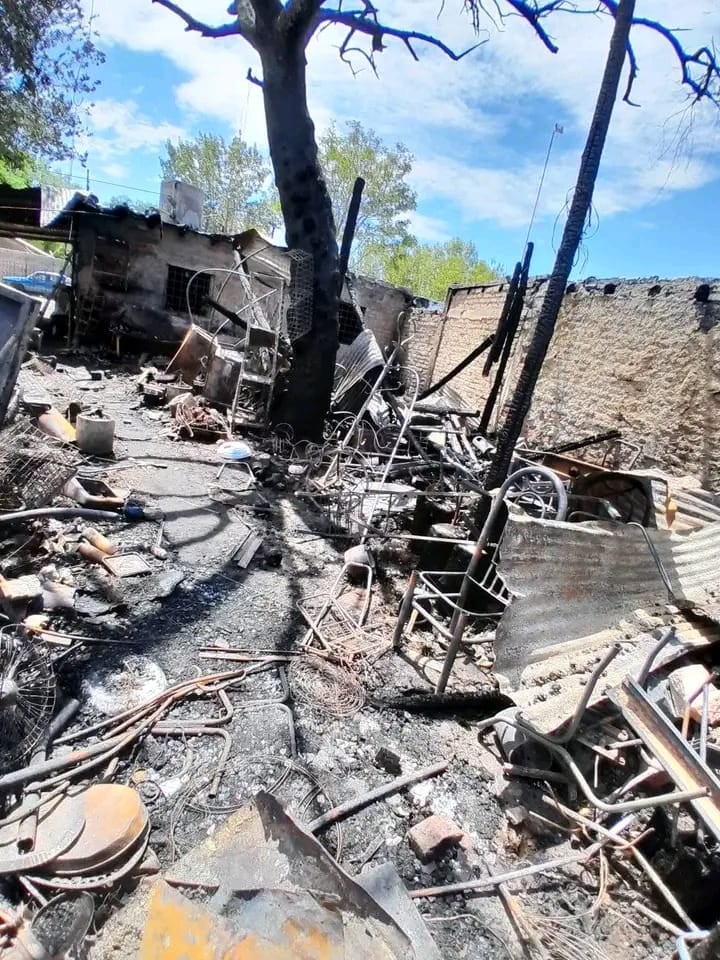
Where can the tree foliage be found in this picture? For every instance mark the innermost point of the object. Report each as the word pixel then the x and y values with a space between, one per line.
pixel 31 172
pixel 233 176
pixel 387 196
pixel 123 200
pixel 428 269
pixel 16 175
pixel 47 54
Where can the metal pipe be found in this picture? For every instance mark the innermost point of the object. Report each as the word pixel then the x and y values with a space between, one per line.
pixel 515 308
pixel 681 944
pixel 585 442
pixel 59 513
pixel 503 325
pixel 656 557
pixel 38 770
pixel 626 807
pixel 458 624
pixel 405 608
pixel 572 729
pixel 458 368
pixel 182 688
pixel 668 927
pixel 27 829
pixel 112 748
pixel 652 656
pixel 379 793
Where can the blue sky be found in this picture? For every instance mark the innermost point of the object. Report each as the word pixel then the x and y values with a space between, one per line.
pixel 479 129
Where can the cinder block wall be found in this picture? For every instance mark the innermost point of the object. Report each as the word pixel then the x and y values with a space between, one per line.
pixel 639 355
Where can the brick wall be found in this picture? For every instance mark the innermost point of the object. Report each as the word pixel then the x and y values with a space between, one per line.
pixel 639 355
pixel 423 328
pixel 472 315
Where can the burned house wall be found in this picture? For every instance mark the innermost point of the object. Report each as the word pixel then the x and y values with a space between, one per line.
pixel 642 356
pixel 124 271
pixel 380 303
pixel 423 330
pixel 471 315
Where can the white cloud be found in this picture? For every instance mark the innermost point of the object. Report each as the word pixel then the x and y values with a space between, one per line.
pixel 467 123
pixel 428 229
pixel 116 170
pixel 119 129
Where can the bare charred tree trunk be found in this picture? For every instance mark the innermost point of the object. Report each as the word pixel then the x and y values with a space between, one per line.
pixel 309 226
pixel 572 235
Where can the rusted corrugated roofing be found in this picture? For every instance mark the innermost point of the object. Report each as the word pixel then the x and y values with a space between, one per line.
pixel 572 581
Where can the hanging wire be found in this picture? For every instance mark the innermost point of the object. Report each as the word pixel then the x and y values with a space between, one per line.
pixel 556 129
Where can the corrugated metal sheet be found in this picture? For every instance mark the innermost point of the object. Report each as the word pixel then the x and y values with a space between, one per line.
pixel 572 581
pixel 696 508
pixel 551 688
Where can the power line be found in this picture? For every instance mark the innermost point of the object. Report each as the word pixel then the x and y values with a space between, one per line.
pixel 122 186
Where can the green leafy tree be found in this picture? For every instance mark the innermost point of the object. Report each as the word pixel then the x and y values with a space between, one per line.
pixel 16 175
pixel 428 269
pixel 31 172
pixel 47 55
pixel 233 176
pixel 387 198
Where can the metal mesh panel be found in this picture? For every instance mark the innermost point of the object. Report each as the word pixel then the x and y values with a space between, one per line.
pixel 299 314
pixel 33 468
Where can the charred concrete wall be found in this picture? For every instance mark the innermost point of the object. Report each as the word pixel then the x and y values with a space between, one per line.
pixel 381 303
pixel 132 272
pixel 642 356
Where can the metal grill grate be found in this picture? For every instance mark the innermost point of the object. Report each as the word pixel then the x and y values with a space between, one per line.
pixel 299 314
pixel 33 467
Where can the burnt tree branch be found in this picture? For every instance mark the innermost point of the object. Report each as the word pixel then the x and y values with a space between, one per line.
pixel 204 29
pixel 365 21
pixel 703 59
pixel 700 69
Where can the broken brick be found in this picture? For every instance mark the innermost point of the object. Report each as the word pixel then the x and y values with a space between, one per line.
pixel 433 836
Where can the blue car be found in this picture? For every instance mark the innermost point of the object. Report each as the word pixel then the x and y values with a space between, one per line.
pixel 40 284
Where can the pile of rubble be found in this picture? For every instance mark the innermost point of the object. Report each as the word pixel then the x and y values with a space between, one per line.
pixel 508 696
